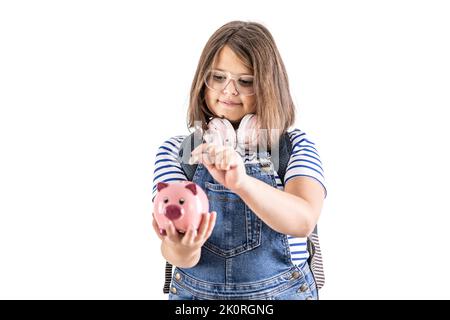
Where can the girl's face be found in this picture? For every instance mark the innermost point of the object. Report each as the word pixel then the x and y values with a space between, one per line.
pixel 228 102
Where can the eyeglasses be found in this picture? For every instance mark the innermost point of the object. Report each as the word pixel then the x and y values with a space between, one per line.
pixel 219 80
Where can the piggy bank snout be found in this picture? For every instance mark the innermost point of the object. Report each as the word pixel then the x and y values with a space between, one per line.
pixel 173 212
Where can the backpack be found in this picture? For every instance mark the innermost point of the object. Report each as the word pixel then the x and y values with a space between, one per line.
pixel 285 150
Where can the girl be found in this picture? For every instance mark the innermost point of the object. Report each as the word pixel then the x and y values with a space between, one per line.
pixel 253 243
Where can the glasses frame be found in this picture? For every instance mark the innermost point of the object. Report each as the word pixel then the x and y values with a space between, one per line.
pixel 230 76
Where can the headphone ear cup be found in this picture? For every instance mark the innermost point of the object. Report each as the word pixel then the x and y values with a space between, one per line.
pixel 221 133
pixel 247 133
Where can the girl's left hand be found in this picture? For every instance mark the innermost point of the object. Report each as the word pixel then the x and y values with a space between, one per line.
pixel 223 163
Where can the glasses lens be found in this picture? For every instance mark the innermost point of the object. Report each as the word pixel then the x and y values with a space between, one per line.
pixel 245 85
pixel 217 80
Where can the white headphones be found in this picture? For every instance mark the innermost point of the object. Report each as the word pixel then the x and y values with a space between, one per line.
pixel 221 133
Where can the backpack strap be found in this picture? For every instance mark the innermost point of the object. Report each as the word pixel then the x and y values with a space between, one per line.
pixel 168 277
pixel 315 258
pixel 188 144
pixel 284 155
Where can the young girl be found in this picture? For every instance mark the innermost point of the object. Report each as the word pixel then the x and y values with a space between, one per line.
pixel 253 243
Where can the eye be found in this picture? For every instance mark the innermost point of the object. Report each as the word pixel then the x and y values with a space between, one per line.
pixel 218 78
pixel 166 200
pixel 181 201
pixel 246 82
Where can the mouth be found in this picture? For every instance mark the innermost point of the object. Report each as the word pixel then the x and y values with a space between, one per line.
pixel 228 103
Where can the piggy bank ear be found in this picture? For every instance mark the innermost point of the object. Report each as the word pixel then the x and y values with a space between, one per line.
pixel 161 185
pixel 192 187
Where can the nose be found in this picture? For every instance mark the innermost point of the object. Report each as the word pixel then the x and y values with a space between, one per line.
pixel 231 89
pixel 173 212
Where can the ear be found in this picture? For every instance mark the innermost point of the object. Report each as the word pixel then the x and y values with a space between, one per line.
pixel 192 187
pixel 161 185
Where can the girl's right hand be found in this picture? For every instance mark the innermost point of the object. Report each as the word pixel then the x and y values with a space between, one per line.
pixel 191 240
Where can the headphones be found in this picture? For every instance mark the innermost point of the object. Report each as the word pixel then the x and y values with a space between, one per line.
pixel 221 133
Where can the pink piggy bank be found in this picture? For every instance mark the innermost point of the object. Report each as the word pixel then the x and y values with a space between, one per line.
pixel 182 203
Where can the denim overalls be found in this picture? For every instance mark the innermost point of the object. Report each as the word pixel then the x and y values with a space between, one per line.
pixel 243 258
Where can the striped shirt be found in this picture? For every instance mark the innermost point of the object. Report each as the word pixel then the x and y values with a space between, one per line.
pixel 304 161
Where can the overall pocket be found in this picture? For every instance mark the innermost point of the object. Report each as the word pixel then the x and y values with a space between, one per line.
pixel 303 289
pixel 237 228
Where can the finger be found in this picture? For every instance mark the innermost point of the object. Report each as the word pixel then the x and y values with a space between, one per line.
pixel 233 160
pixel 218 159
pixel 198 148
pixel 212 222
pixel 157 230
pixel 209 155
pixel 227 155
pixel 172 233
pixel 226 159
pixel 221 157
pixel 189 236
pixel 203 226
pixel 196 153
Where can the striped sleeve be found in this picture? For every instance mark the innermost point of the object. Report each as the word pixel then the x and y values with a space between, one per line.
pixel 304 160
pixel 167 166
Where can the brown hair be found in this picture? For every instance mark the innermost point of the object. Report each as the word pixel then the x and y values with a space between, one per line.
pixel 255 47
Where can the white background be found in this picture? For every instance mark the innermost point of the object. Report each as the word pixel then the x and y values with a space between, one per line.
pixel 90 89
